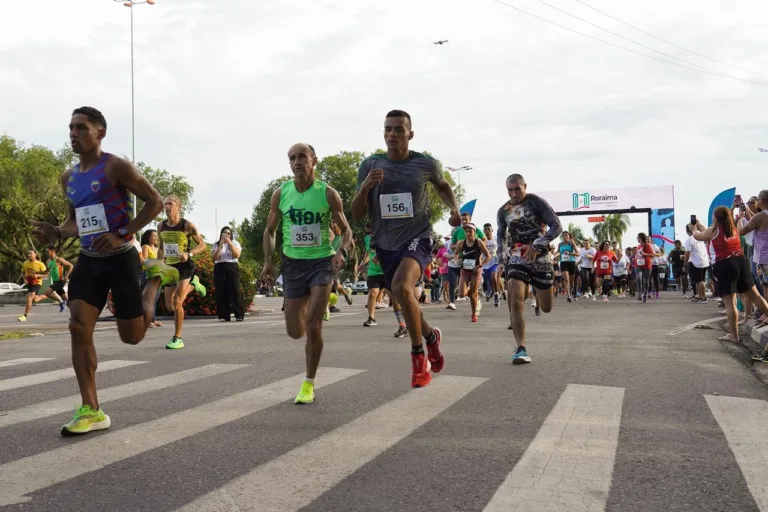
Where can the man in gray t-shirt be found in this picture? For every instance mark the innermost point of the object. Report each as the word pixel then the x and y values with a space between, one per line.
pixel 392 191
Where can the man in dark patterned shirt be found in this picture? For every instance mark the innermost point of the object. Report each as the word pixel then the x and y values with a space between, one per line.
pixel 528 260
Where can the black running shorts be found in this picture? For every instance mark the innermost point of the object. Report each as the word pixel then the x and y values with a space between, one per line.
pixel 540 273
pixel 93 278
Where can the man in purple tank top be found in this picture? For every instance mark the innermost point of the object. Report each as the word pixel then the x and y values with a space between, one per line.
pixel 98 188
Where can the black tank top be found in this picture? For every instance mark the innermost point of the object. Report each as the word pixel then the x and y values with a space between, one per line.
pixel 470 253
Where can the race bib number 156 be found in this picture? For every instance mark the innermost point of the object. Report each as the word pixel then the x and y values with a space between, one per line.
pixel 396 206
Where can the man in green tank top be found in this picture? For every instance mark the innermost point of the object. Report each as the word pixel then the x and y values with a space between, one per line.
pixel 56 270
pixel 305 207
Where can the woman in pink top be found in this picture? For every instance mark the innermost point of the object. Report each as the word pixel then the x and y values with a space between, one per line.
pixel 730 267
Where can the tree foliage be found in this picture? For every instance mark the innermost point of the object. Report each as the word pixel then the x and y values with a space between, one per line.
pixel 31 190
pixel 613 228
pixel 168 184
pixel 576 233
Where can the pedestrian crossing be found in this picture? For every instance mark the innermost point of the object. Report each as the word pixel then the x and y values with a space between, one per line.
pixel 568 465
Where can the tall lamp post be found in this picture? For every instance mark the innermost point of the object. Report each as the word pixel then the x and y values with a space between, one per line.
pixel 458 170
pixel 130 4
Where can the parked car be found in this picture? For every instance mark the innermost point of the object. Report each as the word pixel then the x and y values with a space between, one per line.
pixel 12 288
pixel 360 287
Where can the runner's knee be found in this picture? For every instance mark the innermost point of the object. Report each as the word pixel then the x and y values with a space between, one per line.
pixel 79 331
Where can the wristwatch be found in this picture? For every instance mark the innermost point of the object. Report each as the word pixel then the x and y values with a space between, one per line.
pixel 124 234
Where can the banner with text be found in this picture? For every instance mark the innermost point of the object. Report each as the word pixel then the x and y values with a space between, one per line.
pixel 609 199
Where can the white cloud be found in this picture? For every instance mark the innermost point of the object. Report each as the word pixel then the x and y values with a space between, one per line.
pixel 224 88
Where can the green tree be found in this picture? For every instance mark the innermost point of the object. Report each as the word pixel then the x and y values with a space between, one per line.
pixel 31 190
pixel 252 230
pixel 616 225
pixel 576 233
pixel 168 184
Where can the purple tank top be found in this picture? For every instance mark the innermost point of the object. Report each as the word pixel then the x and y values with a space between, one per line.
pixel 760 242
pixel 100 206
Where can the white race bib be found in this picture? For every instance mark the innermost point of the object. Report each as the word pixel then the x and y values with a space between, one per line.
pixel 604 265
pixel 307 235
pixel 470 264
pixel 566 257
pixel 171 251
pixel 640 262
pixel 91 220
pixel 662 275
pixel 396 206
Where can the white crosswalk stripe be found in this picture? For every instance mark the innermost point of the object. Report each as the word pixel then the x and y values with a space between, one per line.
pixel 52 407
pixel 745 424
pixel 42 378
pixel 290 483
pixel 24 360
pixel 24 476
pixel 568 465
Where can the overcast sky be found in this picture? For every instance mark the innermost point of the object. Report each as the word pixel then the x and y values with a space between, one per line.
pixel 224 87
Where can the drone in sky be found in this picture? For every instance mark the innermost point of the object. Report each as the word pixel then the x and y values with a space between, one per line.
pixel 441 42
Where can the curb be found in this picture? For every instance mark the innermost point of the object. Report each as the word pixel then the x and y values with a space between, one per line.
pixel 759 336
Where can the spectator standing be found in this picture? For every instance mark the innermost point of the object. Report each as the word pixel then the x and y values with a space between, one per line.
pixel 226 276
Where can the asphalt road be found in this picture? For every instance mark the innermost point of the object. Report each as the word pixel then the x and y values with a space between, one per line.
pixel 625 407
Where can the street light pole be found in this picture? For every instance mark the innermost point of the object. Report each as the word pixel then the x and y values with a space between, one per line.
pixel 458 170
pixel 130 4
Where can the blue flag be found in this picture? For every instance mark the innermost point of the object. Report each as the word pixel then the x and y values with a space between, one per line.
pixel 468 207
pixel 724 198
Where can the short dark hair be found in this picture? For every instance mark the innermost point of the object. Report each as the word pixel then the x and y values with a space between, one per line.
pixel 487 225
pixel 516 178
pixel 51 248
pixel 400 113
pixel 93 115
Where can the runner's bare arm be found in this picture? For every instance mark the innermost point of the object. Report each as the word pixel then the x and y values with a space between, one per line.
pixel 273 222
pixel 501 228
pixel 702 236
pixel 756 222
pixel 445 193
pixel 199 243
pixel 65 264
pixel 337 211
pixel 457 252
pixel 160 249
pixel 123 172
pixel 486 256
pixel 366 180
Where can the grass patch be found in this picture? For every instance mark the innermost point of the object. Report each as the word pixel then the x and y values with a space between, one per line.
pixel 13 335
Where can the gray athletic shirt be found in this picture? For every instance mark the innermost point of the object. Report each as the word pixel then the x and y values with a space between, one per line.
pixel 523 224
pixel 410 175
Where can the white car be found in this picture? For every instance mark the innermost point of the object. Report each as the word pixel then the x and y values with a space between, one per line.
pixel 360 287
pixel 11 288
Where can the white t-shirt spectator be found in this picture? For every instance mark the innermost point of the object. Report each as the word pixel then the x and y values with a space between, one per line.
pixel 698 250
pixel 620 268
pixel 656 260
pixel 585 262
pixel 226 256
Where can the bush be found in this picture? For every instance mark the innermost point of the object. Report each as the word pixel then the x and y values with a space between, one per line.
pixel 194 304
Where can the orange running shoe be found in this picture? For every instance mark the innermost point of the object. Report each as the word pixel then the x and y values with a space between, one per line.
pixel 474 318
pixel 434 353
pixel 421 376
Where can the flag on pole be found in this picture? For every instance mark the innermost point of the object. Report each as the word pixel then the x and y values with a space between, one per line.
pixel 468 207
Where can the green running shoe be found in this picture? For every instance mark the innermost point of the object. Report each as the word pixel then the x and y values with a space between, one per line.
pixel 157 268
pixel 306 393
pixel 199 288
pixel 86 420
pixel 175 343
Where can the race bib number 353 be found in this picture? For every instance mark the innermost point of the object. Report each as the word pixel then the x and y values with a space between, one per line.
pixel 307 235
pixel 91 219
pixel 396 206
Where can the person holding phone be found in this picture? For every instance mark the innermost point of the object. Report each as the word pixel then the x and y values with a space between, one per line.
pixel 226 276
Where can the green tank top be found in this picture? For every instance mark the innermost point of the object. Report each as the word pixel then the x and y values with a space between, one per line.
pixel 306 221
pixel 374 267
pixel 54 270
pixel 175 241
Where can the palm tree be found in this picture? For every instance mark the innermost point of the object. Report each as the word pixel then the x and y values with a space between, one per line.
pixel 576 233
pixel 616 225
pixel 601 232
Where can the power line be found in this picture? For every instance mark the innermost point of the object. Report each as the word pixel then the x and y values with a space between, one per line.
pixel 714 73
pixel 668 42
pixel 625 38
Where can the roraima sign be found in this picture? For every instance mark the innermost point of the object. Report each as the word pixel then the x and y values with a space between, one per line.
pixel 586 201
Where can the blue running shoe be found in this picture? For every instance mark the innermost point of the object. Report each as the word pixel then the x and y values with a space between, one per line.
pixel 521 356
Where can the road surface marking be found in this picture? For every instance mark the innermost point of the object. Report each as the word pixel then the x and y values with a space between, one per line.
pixel 295 479
pixel 60 405
pixel 744 422
pixel 30 474
pixel 569 464
pixel 41 378
pixel 682 329
pixel 24 360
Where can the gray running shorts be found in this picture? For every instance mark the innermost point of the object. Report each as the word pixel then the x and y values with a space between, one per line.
pixel 300 276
